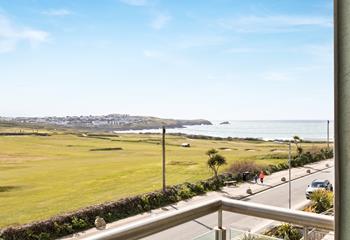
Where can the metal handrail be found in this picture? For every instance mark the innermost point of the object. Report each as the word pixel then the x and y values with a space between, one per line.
pixel 279 214
pixel 143 228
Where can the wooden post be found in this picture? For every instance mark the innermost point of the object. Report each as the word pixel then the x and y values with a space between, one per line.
pixel 163 157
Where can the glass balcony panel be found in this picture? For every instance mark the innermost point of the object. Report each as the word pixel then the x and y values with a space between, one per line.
pixel 206 236
pixel 319 234
pixel 237 234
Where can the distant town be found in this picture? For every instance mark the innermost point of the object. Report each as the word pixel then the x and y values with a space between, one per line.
pixel 106 122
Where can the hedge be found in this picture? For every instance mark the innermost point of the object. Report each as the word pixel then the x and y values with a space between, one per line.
pixel 83 219
pixel 301 160
pixel 111 211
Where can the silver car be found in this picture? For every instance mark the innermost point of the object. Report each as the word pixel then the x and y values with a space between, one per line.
pixel 316 185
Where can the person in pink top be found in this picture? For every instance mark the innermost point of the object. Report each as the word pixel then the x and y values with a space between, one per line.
pixel 261 176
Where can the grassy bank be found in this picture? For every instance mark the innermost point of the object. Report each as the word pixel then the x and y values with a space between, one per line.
pixel 43 176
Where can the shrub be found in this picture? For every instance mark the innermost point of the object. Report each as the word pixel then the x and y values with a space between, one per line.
pixel 185 192
pixel 283 166
pixel 40 236
pixel 243 166
pixel 63 229
pixel 78 223
pixel 287 231
pixel 196 188
pixel 311 156
pixel 213 184
pixel 322 200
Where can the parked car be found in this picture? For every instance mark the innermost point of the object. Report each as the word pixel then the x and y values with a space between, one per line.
pixel 316 185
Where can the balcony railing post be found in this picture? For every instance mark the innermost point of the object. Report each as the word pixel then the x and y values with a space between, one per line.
pixel 306 233
pixel 220 218
pixel 220 232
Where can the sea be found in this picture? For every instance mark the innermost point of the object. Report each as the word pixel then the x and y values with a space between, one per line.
pixel 313 130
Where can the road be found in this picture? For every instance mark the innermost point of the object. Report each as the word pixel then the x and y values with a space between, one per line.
pixel 277 196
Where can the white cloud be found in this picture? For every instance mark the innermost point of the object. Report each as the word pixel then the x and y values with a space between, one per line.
pixel 11 35
pixel 57 12
pixel 6 46
pixel 160 21
pixel 34 36
pixel 277 23
pixel 135 2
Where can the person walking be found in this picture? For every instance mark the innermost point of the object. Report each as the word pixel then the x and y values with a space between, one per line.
pixel 261 176
pixel 256 178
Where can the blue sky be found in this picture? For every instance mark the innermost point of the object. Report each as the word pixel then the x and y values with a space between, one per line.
pixel 213 59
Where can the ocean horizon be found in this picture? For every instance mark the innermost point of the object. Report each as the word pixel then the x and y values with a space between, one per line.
pixel 315 130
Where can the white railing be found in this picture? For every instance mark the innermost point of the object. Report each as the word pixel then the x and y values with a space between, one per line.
pixel 143 228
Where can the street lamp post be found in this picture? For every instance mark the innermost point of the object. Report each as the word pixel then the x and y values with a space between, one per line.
pixel 328 134
pixel 290 175
pixel 163 157
pixel 289 172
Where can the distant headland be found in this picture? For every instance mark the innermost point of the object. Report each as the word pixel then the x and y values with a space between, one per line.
pixel 111 122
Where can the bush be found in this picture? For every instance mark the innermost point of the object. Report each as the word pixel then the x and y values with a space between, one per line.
pixel 196 188
pixel 78 223
pixel 63 229
pixel 311 156
pixel 322 200
pixel 239 167
pixel 185 192
pixel 287 231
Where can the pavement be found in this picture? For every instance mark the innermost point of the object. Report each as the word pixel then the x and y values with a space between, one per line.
pixel 273 192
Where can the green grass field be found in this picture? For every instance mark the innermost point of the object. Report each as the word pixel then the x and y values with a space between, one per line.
pixel 45 176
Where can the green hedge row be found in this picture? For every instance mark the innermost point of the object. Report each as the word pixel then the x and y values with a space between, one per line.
pixel 112 211
pixel 83 219
pixel 302 159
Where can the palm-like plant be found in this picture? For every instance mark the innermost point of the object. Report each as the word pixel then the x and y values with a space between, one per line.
pixel 287 231
pixel 212 152
pixel 297 141
pixel 215 161
pixel 322 200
